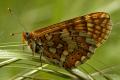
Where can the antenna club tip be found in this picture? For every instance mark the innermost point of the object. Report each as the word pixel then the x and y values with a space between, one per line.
pixel 9 9
pixel 12 34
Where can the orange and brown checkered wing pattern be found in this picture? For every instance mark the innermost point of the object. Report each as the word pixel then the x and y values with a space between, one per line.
pixel 73 41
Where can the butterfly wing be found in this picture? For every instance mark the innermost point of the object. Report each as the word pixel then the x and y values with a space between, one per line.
pixel 72 42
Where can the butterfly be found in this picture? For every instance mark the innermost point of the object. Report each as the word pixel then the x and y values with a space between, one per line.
pixel 71 42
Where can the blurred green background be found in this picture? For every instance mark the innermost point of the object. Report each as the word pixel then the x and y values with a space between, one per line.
pixel 35 14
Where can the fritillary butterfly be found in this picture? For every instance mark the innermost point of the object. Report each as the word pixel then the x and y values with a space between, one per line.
pixel 71 42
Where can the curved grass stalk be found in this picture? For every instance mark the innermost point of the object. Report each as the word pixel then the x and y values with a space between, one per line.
pixel 4 46
pixel 80 74
pixel 6 62
pixel 101 73
pixel 21 77
pixel 10 43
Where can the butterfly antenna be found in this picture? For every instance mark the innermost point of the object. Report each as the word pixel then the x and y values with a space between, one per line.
pixel 13 34
pixel 17 19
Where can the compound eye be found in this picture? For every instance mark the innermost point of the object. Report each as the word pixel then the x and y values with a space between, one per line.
pixel 27 35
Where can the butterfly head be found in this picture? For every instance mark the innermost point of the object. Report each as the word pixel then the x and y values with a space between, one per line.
pixel 26 37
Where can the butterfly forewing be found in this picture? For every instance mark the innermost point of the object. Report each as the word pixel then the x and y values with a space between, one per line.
pixel 73 41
